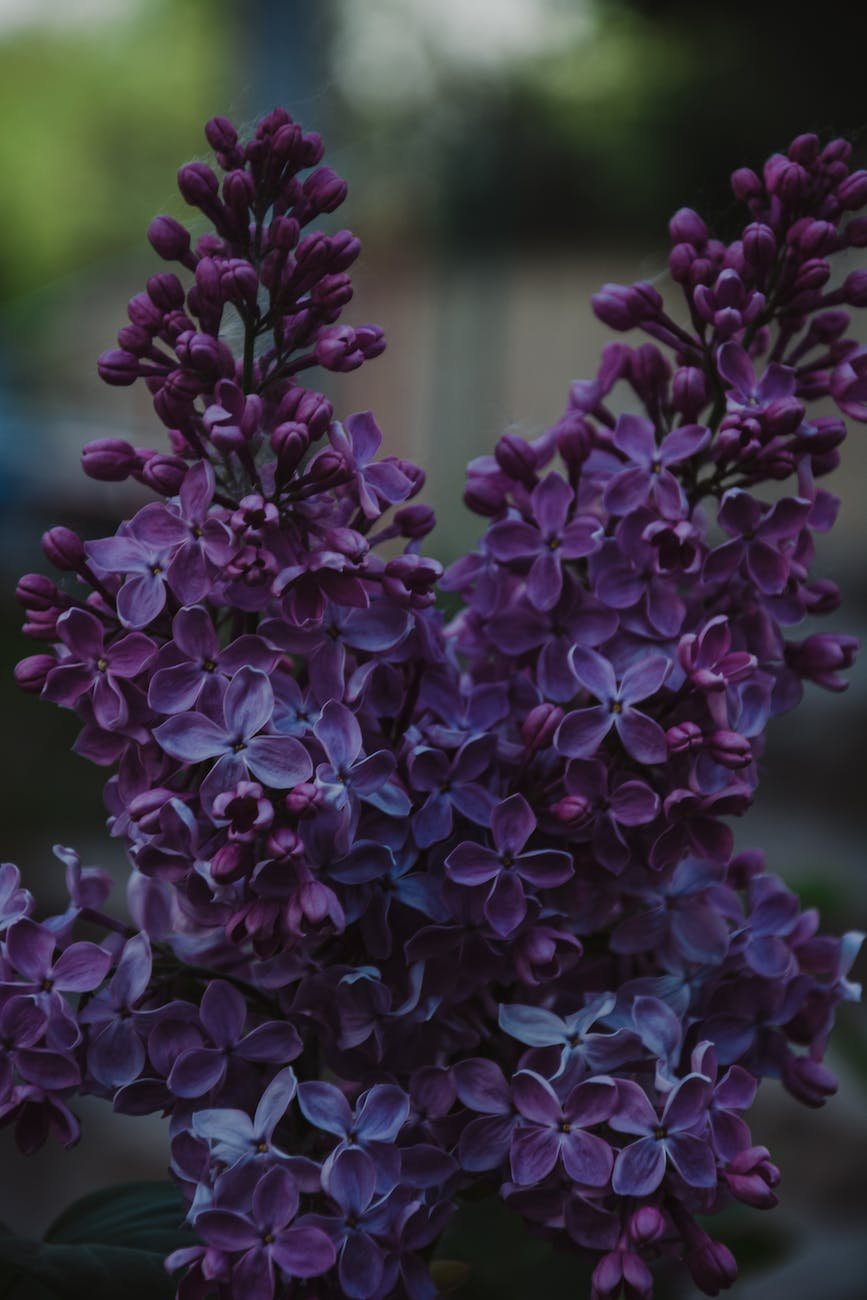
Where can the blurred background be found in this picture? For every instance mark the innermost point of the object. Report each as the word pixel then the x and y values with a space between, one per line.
pixel 504 157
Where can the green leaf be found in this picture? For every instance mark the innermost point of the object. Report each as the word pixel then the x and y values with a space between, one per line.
pixel 110 1244
pixel 144 1216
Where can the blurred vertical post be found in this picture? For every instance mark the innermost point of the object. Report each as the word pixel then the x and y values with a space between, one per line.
pixel 286 62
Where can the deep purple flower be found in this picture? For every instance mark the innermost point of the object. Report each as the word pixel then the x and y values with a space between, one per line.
pixel 267 1238
pixel 553 1130
pixel 196 657
pixel 648 475
pixel 581 733
pixel 450 785
pixel 234 1137
pixel 505 867
pixel 223 1015
pixel 234 738
pixel 94 666
pixel 756 531
pixel 546 541
pixel 372 1127
pixel 679 1136
pixel 606 808
pixel 116 1052
pixel 746 393
pixel 203 544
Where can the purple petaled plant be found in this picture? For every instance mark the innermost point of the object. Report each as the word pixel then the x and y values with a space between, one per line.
pixel 424 907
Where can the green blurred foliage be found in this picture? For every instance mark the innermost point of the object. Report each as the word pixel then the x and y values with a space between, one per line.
pixel 96 123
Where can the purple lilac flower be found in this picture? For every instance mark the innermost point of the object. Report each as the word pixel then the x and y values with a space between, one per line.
pixel 234 738
pixel 581 733
pixel 553 1130
pixel 648 474
pixel 96 667
pixel 546 541
pixel 506 868
pixel 640 1166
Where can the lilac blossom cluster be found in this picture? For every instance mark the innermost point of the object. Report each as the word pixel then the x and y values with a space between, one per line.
pixel 419 907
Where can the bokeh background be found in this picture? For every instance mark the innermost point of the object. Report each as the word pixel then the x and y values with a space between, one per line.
pixel 504 158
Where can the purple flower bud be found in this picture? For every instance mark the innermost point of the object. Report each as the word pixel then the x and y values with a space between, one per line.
pixel 788 180
pixel 712 1265
pixel 516 458
pixel 118 368
pixel 198 185
pixel 324 190
pixel 854 290
pixel 852 192
pixel 169 238
pixel 689 392
pixel 855 233
pixel 816 238
pixel 745 184
pixel 537 729
pixel 821 657
pixel 30 673
pixel 687 227
pixel 804 149
pixel 290 441
pixel 812 274
pixel 415 521
pixel 165 291
pixel 110 460
pixel 164 474
pixel 35 591
pixel 221 134
pixel 729 749
pixel 622 307
pixel 759 245
pixel 303 800
pixel 808 1080
pixel 647 1225
pixel 751 1178
pixel 63 548
pixel 680 261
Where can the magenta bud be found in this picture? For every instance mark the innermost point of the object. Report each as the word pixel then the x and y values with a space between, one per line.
pixel 790 182
pixel 540 724
pixel 712 1265
pixel 854 290
pixel 622 307
pixel 485 495
pixel 415 521
pixel 812 274
pixel 804 149
pixel 730 749
pixel 572 809
pixel 110 460
pixel 647 1225
pixel 759 245
pixel 41 624
pixel 230 862
pixel 290 441
pixel 36 592
pixel 817 238
pixel 684 736
pixel 303 800
pixel 324 190
pixel 63 548
pixel 745 184
pixel 852 192
pixel 198 184
pixel 809 1081
pixel 164 474
pixel 855 233
pixel 165 291
pixel 118 368
pixel 689 392
pixel 830 325
pixel 221 134
pixel 169 238
pixel 516 458
pixel 680 259
pixel 687 227
pixel 326 466
pixel 30 673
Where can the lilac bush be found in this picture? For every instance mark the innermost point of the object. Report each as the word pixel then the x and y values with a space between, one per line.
pixel 422 908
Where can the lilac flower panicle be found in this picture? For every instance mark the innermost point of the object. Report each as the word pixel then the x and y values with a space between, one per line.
pixel 421 907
